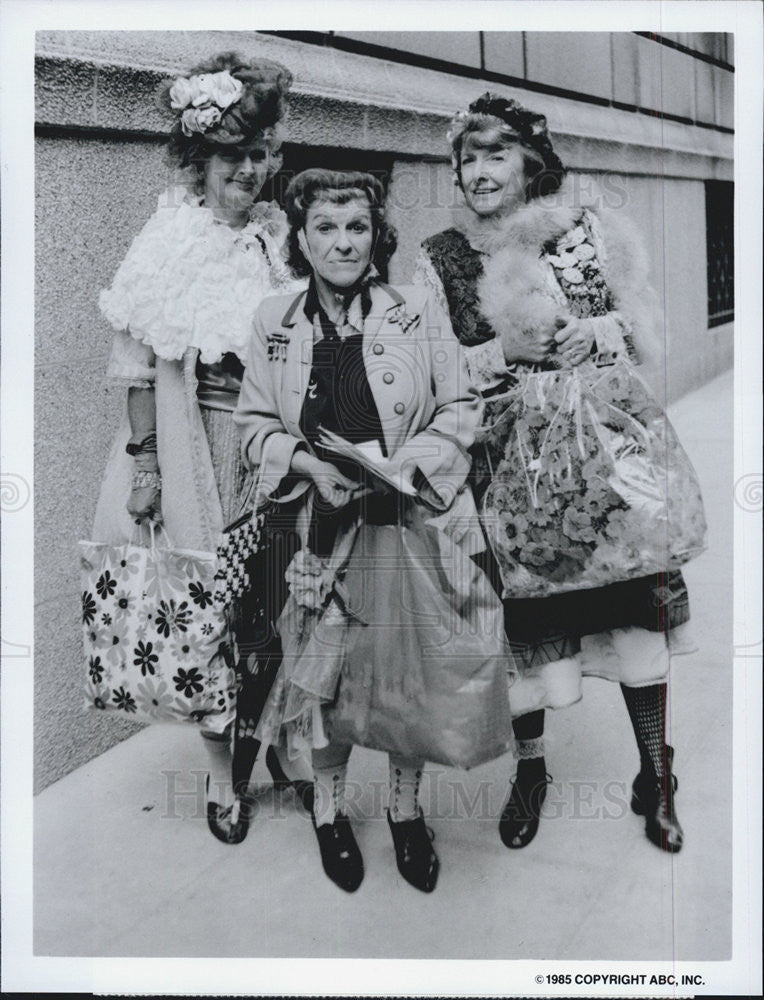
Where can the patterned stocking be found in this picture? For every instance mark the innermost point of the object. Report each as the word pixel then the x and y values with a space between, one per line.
pixel 529 735
pixel 405 778
pixel 330 765
pixel 647 711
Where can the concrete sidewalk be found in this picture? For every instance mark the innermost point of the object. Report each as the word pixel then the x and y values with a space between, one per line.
pixel 124 864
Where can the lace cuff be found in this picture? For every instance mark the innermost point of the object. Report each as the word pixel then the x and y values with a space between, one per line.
pixel 131 361
pixel 487 364
pixel 426 275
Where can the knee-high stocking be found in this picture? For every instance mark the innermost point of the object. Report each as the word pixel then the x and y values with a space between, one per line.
pixel 647 711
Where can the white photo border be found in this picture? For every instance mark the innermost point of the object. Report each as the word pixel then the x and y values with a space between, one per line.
pixel 23 971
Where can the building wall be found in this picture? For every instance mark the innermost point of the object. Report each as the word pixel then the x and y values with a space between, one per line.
pixel 99 168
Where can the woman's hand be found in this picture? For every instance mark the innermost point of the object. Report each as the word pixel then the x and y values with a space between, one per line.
pixel 144 503
pixel 334 488
pixel 531 346
pixel 145 500
pixel 574 341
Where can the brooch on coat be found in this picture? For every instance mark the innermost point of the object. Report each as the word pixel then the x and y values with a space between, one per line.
pixel 399 315
pixel 277 346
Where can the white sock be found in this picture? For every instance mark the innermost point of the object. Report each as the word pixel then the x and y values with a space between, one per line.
pixel 329 795
pixel 405 779
pixel 219 757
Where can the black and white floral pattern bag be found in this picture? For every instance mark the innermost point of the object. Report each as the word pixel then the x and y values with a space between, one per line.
pixel 156 642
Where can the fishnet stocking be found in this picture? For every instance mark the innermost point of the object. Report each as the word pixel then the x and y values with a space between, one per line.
pixel 529 735
pixel 647 711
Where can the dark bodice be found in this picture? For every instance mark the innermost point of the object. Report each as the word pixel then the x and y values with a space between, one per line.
pixel 219 383
pixel 459 268
pixel 339 399
pixel 339 396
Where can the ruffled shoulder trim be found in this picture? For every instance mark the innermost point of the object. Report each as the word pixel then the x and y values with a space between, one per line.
pixel 189 281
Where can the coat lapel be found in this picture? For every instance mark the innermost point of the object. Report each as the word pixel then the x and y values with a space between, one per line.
pixel 384 299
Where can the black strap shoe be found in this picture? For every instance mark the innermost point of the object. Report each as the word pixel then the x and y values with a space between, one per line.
pixel 653 798
pixel 519 821
pixel 230 824
pixel 417 861
pixel 340 855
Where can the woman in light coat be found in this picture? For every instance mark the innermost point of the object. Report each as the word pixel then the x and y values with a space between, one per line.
pixel 380 367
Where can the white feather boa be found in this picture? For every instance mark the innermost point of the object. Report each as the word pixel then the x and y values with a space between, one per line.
pixel 515 291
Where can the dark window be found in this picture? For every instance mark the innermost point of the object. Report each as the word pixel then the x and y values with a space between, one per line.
pixel 297 158
pixel 720 243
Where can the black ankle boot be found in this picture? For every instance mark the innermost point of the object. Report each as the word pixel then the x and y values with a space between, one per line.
pixel 653 798
pixel 417 861
pixel 340 855
pixel 520 819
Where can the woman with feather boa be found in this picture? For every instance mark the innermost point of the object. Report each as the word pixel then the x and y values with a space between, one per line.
pixel 589 503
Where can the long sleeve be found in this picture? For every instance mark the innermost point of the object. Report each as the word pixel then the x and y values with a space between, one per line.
pixel 441 449
pixel 265 442
pixel 426 276
pixel 486 362
pixel 628 328
pixel 131 362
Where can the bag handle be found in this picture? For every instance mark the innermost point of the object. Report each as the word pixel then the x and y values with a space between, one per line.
pixel 252 496
pixel 305 517
pixel 152 525
pixel 155 526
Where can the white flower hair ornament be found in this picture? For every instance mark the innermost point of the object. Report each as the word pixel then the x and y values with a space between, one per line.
pixel 202 99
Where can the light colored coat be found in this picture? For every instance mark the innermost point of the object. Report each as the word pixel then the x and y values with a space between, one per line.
pixel 428 407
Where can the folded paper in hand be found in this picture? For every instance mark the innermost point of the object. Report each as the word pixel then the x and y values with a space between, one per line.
pixel 368 456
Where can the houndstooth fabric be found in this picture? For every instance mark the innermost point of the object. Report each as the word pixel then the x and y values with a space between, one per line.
pixel 240 542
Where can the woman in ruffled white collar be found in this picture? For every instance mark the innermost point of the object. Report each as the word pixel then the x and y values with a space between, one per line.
pixel 182 304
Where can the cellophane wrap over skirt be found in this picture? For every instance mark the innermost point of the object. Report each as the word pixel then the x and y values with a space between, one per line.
pixel 407 654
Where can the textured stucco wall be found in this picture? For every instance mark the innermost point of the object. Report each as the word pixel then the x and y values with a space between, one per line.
pixel 92 197
pixel 99 169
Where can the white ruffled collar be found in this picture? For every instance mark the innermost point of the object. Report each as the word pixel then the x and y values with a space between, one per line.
pixel 189 281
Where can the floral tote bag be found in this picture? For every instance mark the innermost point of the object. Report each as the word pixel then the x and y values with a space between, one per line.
pixel 156 643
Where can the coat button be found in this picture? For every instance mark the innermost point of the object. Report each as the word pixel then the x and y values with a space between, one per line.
pixel 399 408
pixel 388 378
pixel 378 349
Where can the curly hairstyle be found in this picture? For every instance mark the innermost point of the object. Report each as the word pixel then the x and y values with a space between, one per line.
pixel 259 113
pixel 513 125
pixel 339 187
